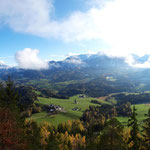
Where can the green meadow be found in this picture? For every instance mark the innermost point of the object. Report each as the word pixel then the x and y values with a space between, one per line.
pixel 82 105
pixel 68 105
pixel 142 109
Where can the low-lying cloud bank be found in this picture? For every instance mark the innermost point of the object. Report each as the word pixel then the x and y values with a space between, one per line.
pixel 28 59
pixel 74 60
pixel 132 62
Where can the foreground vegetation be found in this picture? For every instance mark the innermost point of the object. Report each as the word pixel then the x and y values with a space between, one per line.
pixel 97 129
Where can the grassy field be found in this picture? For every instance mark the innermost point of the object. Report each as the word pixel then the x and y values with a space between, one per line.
pixel 141 110
pixel 82 105
pixel 68 105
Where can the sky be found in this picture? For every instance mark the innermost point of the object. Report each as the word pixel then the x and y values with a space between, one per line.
pixel 33 32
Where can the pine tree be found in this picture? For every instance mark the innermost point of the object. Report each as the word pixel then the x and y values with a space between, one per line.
pixel 33 135
pixel 9 96
pixel 146 130
pixel 134 140
pixel 53 142
pixel 111 137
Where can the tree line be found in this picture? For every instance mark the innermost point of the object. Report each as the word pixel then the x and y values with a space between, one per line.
pixel 138 98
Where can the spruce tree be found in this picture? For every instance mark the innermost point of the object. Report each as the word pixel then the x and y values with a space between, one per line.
pixel 8 95
pixel 134 140
pixel 111 137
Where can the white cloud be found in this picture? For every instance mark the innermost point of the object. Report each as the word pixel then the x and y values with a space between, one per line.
pixel 29 16
pixel 2 62
pixel 123 24
pixel 74 60
pixel 132 62
pixel 144 65
pixel 126 26
pixel 28 59
pixel 3 65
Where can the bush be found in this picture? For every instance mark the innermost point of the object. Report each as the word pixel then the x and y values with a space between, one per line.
pixel 37 109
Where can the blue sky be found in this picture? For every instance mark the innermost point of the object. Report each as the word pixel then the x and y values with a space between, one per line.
pixel 53 29
pixel 50 48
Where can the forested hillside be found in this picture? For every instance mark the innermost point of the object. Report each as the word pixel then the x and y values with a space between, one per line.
pixel 94 75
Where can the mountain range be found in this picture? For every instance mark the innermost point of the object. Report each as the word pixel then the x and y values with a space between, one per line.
pixel 95 75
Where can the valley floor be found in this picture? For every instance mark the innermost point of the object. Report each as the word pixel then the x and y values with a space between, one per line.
pixel 73 111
